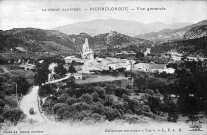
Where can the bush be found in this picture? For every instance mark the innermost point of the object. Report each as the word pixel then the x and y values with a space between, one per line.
pixel 154 104
pixel 95 96
pixel 11 101
pixel 63 98
pixel 111 114
pixel 2 103
pixel 13 114
pixel 172 117
pixel 64 112
pixel 146 108
pixel 44 90
pixel 1 119
pixel 149 91
pixel 97 107
pixel 86 98
pixel 101 92
pixel 57 106
pixel 97 117
pixel 120 91
pixel 71 100
pixel 108 101
pixel 81 106
pixel 83 114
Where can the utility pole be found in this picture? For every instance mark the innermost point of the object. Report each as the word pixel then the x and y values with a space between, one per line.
pixel 16 92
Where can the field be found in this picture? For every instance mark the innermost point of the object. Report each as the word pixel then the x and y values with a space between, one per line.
pixel 100 78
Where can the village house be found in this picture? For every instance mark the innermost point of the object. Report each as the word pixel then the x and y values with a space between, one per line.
pixel 151 67
pixel 21 49
pixel 141 67
pixel 157 67
pixel 191 58
pixel 175 56
pixel 27 66
pixel 78 76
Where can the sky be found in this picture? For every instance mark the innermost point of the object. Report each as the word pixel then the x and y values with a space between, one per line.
pixel 28 13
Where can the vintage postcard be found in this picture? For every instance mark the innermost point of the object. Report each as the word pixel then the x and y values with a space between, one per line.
pixel 95 67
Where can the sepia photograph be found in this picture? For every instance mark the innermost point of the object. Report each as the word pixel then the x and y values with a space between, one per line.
pixel 95 67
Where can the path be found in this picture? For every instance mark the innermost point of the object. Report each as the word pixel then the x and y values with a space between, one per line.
pixel 30 101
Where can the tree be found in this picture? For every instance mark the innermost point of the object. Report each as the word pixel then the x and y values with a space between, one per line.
pixel 22 85
pixel 71 82
pixel 139 54
pixel 86 98
pixel 71 69
pixel 95 96
pixel 71 100
pixel 57 106
pixel 42 75
pixel 63 98
pixel 60 69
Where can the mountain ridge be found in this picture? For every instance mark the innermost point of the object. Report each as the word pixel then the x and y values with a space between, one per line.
pixel 126 27
pixel 171 34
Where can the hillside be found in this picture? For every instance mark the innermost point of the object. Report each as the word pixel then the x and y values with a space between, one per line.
pixel 176 34
pixel 196 32
pixel 39 41
pixel 131 28
pixel 193 47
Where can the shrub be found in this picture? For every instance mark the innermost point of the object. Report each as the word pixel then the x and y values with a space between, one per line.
pixel 101 92
pixel 131 119
pixel 172 117
pixel 95 96
pixel 81 106
pixel 2 103
pixel 111 114
pixel 71 100
pixel 149 91
pixel 125 97
pixel 108 101
pixel 97 117
pixel 146 108
pixel 57 106
pixel 44 90
pixel 120 91
pixel 11 101
pixel 83 114
pixel 86 98
pixel 1 119
pixel 13 114
pixel 63 98
pixel 154 103
pixel 97 107
pixel 64 112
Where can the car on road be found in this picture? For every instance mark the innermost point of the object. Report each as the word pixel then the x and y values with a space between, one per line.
pixel 31 111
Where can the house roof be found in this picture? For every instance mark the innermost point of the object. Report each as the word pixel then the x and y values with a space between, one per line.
pixel 77 74
pixel 93 68
pixel 21 49
pixel 157 66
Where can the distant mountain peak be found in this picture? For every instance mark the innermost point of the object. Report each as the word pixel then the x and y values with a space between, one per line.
pixel 126 27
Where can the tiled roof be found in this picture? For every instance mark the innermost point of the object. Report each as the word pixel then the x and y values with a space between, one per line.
pixel 157 66
pixel 21 49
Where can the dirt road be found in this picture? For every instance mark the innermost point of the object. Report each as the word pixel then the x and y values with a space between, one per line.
pixel 30 101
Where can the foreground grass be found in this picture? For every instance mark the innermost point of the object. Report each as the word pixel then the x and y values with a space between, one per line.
pixel 104 128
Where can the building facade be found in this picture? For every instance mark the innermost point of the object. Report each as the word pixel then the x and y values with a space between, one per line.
pixel 87 53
